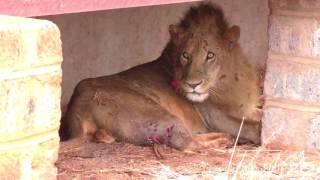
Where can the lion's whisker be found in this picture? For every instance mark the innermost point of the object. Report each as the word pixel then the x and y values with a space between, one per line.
pixel 215 93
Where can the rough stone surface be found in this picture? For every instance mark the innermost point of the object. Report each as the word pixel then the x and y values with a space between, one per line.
pixel 29 105
pixel 295 36
pixel 292 82
pixel 32 45
pixel 314 132
pixel 36 161
pixel 30 78
pixel 295 5
pixel 290 129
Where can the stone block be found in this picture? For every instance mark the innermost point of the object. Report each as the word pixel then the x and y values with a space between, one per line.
pixel 292 83
pixel 30 80
pixel 287 79
pixel 27 43
pixel 33 162
pixel 295 5
pixel 295 36
pixel 29 105
pixel 284 128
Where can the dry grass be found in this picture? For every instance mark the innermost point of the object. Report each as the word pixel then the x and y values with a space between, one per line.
pixel 126 161
pixel 265 164
pixel 261 163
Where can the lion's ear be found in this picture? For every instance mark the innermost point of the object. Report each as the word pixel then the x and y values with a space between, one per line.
pixel 175 31
pixel 232 35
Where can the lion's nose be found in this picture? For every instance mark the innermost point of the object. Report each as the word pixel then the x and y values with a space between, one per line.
pixel 194 84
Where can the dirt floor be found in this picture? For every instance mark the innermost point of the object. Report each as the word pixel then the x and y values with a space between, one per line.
pixel 126 161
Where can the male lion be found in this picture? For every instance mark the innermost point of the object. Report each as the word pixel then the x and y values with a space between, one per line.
pixel 202 83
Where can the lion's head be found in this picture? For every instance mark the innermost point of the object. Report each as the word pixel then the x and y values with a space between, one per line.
pixel 202 43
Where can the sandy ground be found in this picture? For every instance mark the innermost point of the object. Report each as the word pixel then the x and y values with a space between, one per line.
pixel 126 161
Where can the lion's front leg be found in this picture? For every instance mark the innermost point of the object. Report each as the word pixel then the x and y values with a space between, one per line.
pixel 209 140
pixel 102 136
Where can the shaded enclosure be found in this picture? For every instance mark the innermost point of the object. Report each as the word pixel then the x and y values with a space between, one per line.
pixel 42 61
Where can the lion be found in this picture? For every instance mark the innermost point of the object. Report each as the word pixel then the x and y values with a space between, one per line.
pixel 195 95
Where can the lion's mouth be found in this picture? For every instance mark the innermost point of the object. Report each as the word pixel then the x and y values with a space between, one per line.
pixel 197 97
pixel 191 93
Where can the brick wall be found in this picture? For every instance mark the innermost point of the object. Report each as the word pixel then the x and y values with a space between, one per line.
pixel 30 77
pixel 292 85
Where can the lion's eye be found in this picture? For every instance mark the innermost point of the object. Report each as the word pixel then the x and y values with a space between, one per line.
pixel 210 56
pixel 184 58
pixel 185 55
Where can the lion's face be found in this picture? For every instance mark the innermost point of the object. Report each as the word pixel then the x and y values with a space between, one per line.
pixel 198 64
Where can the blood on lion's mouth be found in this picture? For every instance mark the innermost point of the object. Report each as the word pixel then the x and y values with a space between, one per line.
pixel 197 97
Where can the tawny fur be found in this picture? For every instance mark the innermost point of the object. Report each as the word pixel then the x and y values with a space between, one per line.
pixel 141 107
